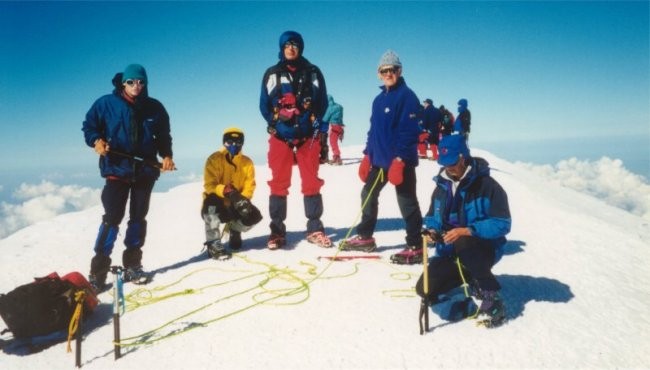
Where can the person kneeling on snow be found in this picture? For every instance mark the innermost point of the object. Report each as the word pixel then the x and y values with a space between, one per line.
pixel 229 183
pixel 468 220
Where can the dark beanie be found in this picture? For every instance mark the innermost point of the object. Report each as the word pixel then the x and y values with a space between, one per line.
pixel 291 36
pixel 134 72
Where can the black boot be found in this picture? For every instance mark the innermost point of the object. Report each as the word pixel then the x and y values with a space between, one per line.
pixel 99 267
pixel 132 262
pixel 235 240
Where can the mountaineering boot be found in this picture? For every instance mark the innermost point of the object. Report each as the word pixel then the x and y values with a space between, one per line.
pixel 132 262
pixel 217 251
pixel 409 256
pixel 491 312
pixel 336 161
pixel 99 267
pixel 358 243
pixel 235 240
pixel 320 239
pixel 276 241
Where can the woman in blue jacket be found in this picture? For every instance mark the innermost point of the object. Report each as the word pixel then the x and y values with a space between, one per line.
pixel 128 130
pixel 468 219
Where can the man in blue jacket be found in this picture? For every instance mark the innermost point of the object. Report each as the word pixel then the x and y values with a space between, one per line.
pixel 468 219
pixel 391 149
pixel 128 130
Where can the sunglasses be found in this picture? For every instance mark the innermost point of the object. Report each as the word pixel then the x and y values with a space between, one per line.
pixel 231 142
pixel 392 70
pixel 135 82
pixel 291 45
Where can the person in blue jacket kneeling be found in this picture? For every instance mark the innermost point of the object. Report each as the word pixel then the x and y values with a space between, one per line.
pixel 468 220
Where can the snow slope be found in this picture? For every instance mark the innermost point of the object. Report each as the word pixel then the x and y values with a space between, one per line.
pixel 575 281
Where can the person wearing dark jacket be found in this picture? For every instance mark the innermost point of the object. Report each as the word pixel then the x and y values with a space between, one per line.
pixel 431 122
pixel 464 119
pixel 391 156
pixel 128 130
pixel 293 99
pixel 468 219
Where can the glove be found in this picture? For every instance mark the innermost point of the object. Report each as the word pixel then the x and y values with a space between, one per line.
pixel 364 168
pixel 396 172
pixel 243 207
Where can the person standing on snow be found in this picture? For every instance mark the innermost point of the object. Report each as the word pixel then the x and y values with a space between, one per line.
pixel 334 117
pixel 469 218
pixel 228 186
pixel 464 119
pixel 431 119
pixel 391 148
pixel 293 100
pixel 128 129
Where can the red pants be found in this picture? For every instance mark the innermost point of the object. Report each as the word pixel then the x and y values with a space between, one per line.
pixel 336 132
pixel 281 160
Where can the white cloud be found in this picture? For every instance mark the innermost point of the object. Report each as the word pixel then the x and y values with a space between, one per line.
pixel 43 201
pixel 606 179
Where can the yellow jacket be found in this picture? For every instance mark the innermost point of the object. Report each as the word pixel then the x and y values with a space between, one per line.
pixel 219 172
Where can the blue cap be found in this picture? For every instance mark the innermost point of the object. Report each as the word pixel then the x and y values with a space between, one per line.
pixel 450 147
pixel 134 72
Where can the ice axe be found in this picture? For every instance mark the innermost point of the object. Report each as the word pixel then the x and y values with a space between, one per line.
pixel 424 304
pixel 146 161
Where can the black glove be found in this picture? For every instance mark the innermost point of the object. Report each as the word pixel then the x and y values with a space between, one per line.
pixel 241 204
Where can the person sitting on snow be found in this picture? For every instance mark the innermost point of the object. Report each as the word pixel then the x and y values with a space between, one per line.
pixel 229 184
pixel 468 219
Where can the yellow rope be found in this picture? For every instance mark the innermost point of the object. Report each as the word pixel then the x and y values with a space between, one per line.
pixel 465 286
pixel 79 297
pixel 267 295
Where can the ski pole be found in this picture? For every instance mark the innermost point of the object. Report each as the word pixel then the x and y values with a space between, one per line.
pixel 424 305
pixel 116 270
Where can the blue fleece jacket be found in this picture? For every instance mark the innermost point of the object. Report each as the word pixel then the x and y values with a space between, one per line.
pixel 394 128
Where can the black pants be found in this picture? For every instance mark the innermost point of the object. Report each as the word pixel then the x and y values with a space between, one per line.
pixel 115 195
pixel 406 200
pixel 476 257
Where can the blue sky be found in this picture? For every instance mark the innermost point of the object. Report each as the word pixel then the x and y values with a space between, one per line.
pixel 533 72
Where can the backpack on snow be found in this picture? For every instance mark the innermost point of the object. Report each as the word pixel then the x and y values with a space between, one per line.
pixel 45 305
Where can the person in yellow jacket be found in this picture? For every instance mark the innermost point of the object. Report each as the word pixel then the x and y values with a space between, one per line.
pixel 228 186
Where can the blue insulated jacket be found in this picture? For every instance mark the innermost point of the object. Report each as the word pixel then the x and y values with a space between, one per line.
pixel 141 130
pixel 307 84
pixel 480 203
pixel 394 127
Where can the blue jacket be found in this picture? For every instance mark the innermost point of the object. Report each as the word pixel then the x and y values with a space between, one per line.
pixel 141 130
pixel 306 83
pixel 334 113
pixel 480 203
pixel 394 127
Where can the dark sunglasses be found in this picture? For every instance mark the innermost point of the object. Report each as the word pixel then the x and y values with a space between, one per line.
pixel 392 70
pixel 134 82
pixel 230 142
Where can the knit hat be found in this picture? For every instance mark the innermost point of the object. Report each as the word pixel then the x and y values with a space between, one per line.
pixel 428 101
pixel 134 72
pixel 292 36
pixel 390 58
pixel 463 103
pixel 450 147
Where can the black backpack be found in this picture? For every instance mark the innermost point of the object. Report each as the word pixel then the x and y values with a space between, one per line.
pixel 41 307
